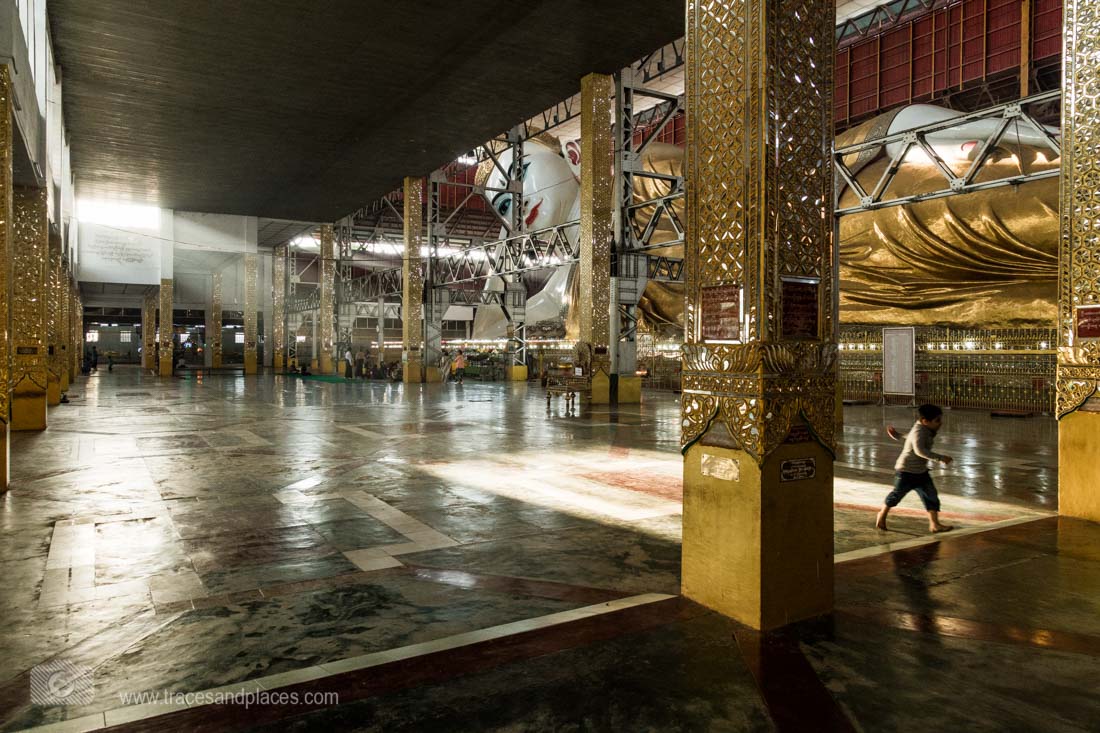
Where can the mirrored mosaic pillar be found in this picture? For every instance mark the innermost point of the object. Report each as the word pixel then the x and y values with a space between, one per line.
pixel 53 322
pixel 328 298
pixel 166 338
pixel 1078 375
pixel 78 328
pixel 596 228
pixel 251 304
pixel 278 308
pixel 412 291
pixel 149 330
pixel 214 337
pixel 759 359
pixel 6 234
pixel 30 260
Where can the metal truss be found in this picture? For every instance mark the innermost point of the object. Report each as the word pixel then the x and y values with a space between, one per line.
pixel 882 17
pixel 510 256
pixel 661 61
pixel 374 285
pixel 1010 118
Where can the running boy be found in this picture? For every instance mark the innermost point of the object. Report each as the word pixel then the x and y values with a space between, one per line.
pixel 911 468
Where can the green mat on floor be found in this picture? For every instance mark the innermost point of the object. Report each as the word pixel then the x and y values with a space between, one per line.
pixel 320 377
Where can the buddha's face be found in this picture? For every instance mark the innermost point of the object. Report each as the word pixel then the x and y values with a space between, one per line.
pixel 549 188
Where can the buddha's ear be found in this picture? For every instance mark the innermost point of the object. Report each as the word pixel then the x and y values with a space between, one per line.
pixel 572 152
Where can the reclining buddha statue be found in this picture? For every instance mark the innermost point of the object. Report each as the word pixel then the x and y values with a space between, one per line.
pixel 987 259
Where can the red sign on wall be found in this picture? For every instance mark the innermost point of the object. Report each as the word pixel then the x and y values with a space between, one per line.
pixel 720 313
pixel 1088 321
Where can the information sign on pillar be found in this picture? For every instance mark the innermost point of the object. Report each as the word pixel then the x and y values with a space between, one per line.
pixel 759 359
pixel 1078 372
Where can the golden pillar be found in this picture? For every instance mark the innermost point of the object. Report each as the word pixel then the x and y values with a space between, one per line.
pixel 759 359
pixel 167 337
pixel 328 295
pixel 1078 405
pixel 78 328
pixel 214 337
pixel 250 343
pixel 53 322
pixel 149 331
pixel 278 308
pixel 65 328
pixel 5 271
pixel 597 227
pixel 30 260
pixel 412 290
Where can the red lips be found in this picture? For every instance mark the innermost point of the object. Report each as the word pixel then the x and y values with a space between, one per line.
pixel 533 213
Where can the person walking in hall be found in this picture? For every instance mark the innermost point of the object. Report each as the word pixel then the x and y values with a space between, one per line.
pixel 349 364
pixel 458 366
pixel 911 468
pixel 360 364
pixel 95 359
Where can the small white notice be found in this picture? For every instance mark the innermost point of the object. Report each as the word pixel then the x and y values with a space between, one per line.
pixel 725 469
pixel 899 361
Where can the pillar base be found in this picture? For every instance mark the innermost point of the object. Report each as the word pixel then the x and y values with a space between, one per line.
pixel 411 373
pixel 757 548
pixel 64 380
pixel 433 375
pixel 630 389
pixel 165 369
pixel 250 364
pixel 278 363
pixel 314 365
pixel 601 388
pixel 516 372
pixel 1078 470
pixel 28 409
pixel 53 390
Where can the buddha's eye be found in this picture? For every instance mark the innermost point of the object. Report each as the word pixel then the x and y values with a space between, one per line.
pixel 504 206
pixel 523 171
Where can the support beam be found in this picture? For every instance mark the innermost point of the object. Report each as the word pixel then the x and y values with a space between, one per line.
pixel 759 354
pixel 53 321
pixel 278 309
pixel 251 305
pixel 1078 376
pixel 149 331
pixel 6 236
pixel 214 337
pixel 167 337
pixel 328 303
pixel 412 291
pixel 596 229
pixel 29 280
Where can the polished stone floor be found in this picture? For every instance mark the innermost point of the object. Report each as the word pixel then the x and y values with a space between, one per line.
pixel 421 552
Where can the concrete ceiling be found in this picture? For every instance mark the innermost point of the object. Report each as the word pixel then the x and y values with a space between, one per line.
pixel 295 109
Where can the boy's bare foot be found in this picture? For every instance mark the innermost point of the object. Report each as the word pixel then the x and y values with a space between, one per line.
pixel 880 520
pixel 936 529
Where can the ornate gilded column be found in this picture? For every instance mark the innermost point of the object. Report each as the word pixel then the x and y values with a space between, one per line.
pixel 214 337
pixel 78 328
pixel 1078 377
pixel 53 321
pixel 250 304
pixel 278 308
pixel 412 291
pixel 167 337
pixel 149 331
pixel 759 359
pixel 65 328
pixel 30 259
pixel 597 227
pixel 327 300
pixel 6 235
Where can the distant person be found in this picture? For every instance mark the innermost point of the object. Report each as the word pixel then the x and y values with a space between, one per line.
pixel 911 468
pixel 458 366
pixel 360 364
pixel 349 364
pixel 110 361
pixel 305 371
pixel 95 359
